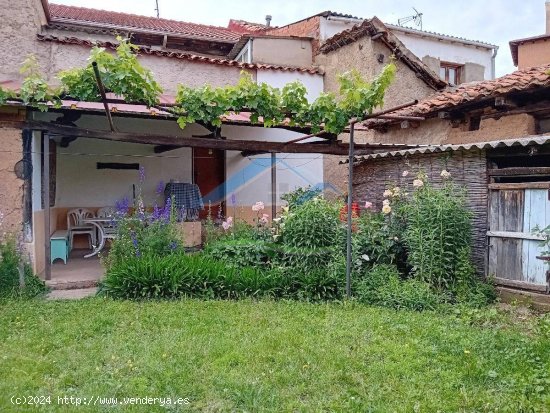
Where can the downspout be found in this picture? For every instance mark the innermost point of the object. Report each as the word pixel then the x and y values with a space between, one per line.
pixel 493 66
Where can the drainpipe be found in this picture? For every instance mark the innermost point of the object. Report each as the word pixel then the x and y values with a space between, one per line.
pixel 493 70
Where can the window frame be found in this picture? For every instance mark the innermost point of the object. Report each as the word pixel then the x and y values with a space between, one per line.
pixel 446 66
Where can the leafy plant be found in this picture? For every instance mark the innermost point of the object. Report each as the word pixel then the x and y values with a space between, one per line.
pixel 240 252
pixel 315 224
pixel 121 74
pixel 299 196
pixel 34 89
pixel 438 228
pixel 10 263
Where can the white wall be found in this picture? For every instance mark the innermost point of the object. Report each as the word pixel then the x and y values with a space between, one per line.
pixel 249 179
pixel 446 51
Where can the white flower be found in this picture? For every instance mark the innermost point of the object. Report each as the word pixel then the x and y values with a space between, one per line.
pixel 226 225
pixel 368 205
pixel 417 183
pixel 230 220
pixel 386 209
pixel 276 220
pixel 365 257
pixel 387 193
pixel 386 202
pixel 258 206
pixel 405 173
pixel 445 174
pixel 396 191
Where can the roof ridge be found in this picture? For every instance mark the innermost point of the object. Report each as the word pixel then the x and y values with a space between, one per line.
pixel 396 26
pixel 131 15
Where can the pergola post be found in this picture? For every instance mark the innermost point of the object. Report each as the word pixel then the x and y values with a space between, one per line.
pixel 273 185
pixel 46 192
pixel 350 199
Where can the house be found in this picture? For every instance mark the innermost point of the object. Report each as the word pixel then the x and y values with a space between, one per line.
pixel 532 51
pixel 494 139
pixel 231 181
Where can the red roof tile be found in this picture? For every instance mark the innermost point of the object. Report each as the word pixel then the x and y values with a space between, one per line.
pixel 68 14
pixel 522 80
pixel 182 55
pixel 244 27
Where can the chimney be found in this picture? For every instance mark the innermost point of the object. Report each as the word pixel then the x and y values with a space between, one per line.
pixel 547 4
pixel 268 17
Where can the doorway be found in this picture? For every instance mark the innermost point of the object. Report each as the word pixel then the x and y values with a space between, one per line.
pixel 209 175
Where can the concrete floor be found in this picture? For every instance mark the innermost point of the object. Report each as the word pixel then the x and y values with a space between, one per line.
pixel 79 272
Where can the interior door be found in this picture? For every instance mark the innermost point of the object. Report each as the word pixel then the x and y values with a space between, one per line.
pixel 515 210
pixel 209 175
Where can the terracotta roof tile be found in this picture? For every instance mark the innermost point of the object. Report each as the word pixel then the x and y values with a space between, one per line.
pixel 182 55
pixel 522 80
pixel 70 14
pixel 244 27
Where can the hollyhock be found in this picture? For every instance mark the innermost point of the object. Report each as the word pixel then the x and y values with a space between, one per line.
pixel 387 193
pixel 405 174
pixel 417 183
pixel 386 202
pixel 258 206
pixel 368 205
pixel 386 209
pixel 445 174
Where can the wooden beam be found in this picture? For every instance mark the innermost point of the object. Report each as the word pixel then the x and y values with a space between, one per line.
pixel 520 171
pixel 164 148
pixel 103 95
pixel 179 141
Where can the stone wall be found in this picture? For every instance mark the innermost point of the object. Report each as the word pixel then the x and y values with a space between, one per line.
pixel 363 55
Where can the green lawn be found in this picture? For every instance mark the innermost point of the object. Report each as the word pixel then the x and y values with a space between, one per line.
pixel 272 356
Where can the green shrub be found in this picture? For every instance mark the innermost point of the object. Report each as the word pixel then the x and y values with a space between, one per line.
pixel 10 262
pixel 300 195
pixel 240 252
pixel 315 224
pixel 180 275
pixel 438 227
pixel 383 286
pixel 374 242
pixel 303 259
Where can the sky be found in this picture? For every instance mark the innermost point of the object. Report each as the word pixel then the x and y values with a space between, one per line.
pixel 492 21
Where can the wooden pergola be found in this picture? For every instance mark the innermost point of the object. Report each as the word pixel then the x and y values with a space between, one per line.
pixel 326 143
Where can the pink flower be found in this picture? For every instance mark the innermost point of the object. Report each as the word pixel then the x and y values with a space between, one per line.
pixel 368 205
pixel 230 220
pixel 258 206
pixel 226 225
pixel 264 219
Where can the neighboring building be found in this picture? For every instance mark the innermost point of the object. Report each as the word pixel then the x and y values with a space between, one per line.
pixel 494 139
pixel 532 51
pixel 454 59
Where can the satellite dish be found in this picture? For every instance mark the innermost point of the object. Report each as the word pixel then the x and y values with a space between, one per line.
pixel 23 169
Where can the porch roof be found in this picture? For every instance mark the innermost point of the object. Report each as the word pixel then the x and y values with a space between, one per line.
pixel 531 140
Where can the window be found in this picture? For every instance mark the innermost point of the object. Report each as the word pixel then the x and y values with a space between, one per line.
pixel 451 73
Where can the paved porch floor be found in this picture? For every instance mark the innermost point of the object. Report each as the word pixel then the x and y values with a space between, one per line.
pixel 79 272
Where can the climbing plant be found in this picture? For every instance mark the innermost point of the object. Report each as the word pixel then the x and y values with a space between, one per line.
pixel 123 75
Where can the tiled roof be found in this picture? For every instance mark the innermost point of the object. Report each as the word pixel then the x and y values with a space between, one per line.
pixel 81 15
pixel 443 36
pixel 241 26
pixel 522 80
pixel 515 43
pixel 181 55
pixel 374 27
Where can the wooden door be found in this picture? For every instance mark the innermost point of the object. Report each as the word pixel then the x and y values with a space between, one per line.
pixel 515 210
pixel 209 175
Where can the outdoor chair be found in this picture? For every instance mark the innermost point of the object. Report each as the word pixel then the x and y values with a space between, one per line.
pixel 109 229
pixel 75 226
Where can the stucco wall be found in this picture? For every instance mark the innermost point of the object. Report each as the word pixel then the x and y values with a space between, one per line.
pixel 11 187
pixel 290 52
pixel 21 21
pixel 533 54
pixel 305 28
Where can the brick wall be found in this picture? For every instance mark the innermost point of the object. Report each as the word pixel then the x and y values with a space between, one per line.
pixel 305 28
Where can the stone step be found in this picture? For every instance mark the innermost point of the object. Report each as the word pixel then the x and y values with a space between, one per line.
pixel 71 294
pixel 71 284
pixel 539 301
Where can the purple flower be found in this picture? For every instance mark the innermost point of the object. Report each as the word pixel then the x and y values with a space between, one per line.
pixel 135 243
pixel 141 175
pixel 122 206
pixel 160 188
pixel 233 200
pixel 173 245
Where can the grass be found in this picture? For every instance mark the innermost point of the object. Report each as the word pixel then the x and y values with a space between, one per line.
pixel 272 356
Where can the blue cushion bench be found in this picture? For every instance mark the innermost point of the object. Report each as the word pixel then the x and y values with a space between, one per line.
pixel 59 245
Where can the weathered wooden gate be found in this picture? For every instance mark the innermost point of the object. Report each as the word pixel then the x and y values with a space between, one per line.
pixel 515 210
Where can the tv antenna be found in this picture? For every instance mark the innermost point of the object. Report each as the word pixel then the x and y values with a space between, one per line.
pixel 416 19
pixel 157 9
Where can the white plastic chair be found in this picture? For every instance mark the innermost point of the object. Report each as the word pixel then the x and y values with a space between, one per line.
pixel 109 230
pixel 75 226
